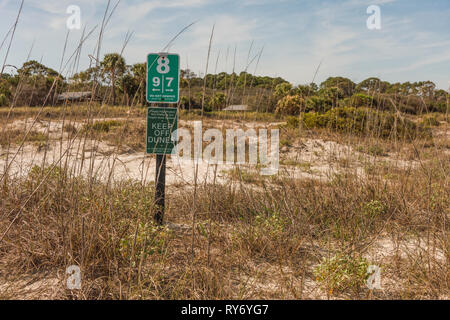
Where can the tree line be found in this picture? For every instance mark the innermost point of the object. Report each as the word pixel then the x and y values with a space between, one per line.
pixel 116 82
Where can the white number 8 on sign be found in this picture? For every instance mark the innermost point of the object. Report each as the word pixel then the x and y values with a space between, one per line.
pixel 163 65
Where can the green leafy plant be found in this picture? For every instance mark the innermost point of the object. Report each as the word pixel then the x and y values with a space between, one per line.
pixel 342 272
pixel 430 121
pixel 318 104
pixel 376 150
pixel 270 224
pixel 292 122
pixel 362 100
pixel 103 126
pixel 360 120
pixel 374 208
pixel 3 100
pixel 147 240
pixel 290 105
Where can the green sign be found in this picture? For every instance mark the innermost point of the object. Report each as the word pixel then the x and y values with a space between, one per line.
pixel 163 78
pixel 161 122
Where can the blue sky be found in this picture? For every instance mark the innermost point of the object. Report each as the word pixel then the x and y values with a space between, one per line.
pixel 412 45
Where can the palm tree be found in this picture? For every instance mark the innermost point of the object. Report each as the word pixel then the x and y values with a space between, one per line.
pixel 140 74
pixel 114 65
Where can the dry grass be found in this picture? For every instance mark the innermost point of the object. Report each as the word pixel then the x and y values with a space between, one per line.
pixel 75 111
pixel 17 136
pixel 246 242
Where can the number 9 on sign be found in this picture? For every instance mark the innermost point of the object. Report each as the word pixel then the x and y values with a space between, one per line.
pixel 156 81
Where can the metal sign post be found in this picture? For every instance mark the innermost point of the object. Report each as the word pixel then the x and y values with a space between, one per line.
pixel 163 86
pixel 160 188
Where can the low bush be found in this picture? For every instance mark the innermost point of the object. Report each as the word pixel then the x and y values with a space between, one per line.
pixel 318 104
pixel 362 100
pixel 358 120
pixel 290 105
pixel 103 126
pixel 342 272
pixel 430 121
pixel 292 122
pixel 3 100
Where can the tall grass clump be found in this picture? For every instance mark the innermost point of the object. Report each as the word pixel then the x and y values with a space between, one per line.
pixel 70 221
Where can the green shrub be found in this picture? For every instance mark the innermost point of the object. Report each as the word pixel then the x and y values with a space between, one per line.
pixel 270 224
pixel 362 100
pixel 292 122
pixel 345 85
pixel 342 272
pixel 290 105
pixel 282 90
pixel 3 100
pixel 333 95
pixel 376 150
pixel 430 121
pixel 103 126
pixel 358 120
pixel 374 208
pixel 147 239
pixel 218 101
pixel 318 104
pixel 184 102
pixel 440 106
